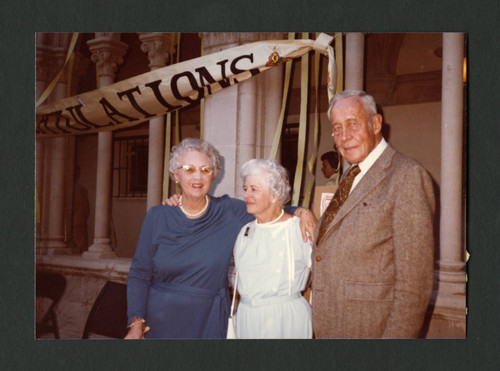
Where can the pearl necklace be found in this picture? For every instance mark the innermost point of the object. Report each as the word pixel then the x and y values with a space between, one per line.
pixel 275 220
pixel 195 214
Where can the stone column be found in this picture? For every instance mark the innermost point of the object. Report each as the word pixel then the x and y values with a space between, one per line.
pixel 231 117
pixel 70 154
pixel 354 66
pixel 107 53
pixel 55 243
pixel 449 310
pixel 80 68
pixel 157 45
pixel 43 75
pixel 270 85
pixel 354 60
pixel 247 122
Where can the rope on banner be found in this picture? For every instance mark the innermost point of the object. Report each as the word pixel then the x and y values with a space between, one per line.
pixel 177 137
pixel 168 131
pixel 312 159
pixel 304 81
pixel 177 116
pixel 339 49
pixel 166 158
pixel 54 82
pixel 277 136
pixel 70 74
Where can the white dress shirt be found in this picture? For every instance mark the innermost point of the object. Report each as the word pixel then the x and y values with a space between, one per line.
pixel 367 163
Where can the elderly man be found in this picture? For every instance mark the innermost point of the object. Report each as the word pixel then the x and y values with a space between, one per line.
pixel 373 257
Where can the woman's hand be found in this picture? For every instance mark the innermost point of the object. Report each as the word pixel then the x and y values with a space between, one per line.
pixel 307 223
pixel 172 201
pixel 135 332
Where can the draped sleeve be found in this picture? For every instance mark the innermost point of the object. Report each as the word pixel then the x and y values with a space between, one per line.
pixel 141 269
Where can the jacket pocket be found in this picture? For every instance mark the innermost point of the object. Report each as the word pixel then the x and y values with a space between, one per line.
pixel 366 309
pixel 368 291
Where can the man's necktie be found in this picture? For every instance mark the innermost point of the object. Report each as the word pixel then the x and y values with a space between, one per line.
pixel 337 201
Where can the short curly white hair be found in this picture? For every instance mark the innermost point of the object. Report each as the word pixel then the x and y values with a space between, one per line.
pixel 275 175
pixel 194 144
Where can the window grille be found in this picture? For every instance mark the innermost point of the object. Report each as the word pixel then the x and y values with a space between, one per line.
pixel 130 166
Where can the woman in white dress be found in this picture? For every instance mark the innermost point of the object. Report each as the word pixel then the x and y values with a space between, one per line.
pixel 272 260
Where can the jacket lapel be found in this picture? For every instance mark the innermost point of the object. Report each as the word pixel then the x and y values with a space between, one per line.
pixel 369 181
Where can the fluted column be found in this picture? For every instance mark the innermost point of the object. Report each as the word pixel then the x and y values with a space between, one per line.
pixel 55 242
pixel 231 116
pixel 354 60
pixel 107 53
pixel 157 45
pixel 450 301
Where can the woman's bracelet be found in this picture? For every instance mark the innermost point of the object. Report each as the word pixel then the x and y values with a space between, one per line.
pixel 135 320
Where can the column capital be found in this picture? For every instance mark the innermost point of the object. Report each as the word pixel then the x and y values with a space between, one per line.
pixel 107 53
pixel 157 45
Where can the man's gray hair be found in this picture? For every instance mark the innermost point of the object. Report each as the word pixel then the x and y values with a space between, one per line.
pixel 368 102
pixel 275 176
pixel 194 144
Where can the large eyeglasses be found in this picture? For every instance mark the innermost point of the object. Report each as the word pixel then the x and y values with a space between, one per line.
pixel 190 169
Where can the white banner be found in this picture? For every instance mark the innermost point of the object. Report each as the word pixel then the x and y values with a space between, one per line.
pixel 153 94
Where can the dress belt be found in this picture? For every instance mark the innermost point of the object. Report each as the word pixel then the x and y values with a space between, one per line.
pixel 271 300
pixel 187 290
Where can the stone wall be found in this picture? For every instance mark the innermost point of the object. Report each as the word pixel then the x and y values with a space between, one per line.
pixel 84 280
pixel 86 277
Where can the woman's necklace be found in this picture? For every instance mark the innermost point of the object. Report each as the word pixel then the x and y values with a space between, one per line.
pixel 275 220
pixel 195 214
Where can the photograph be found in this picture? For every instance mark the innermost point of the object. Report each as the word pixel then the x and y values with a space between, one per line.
pixel 250 185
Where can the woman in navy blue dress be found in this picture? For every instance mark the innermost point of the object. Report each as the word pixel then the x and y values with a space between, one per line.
pixel 177 285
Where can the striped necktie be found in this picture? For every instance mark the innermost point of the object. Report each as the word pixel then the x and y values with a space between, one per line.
pixel 337 201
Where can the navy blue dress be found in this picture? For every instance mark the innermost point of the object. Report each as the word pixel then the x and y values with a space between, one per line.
pixel 178 280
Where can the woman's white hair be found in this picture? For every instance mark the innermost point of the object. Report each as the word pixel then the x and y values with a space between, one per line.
pixel 194 144
pixel 275 175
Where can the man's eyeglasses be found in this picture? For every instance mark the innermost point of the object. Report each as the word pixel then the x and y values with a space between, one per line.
pixel 190 170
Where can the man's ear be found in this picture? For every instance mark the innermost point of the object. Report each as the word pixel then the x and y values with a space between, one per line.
pixel 377 124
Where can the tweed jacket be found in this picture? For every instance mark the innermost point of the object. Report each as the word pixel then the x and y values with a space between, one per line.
pixel 373 268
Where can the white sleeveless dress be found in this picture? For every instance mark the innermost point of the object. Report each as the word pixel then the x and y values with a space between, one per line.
pixel 273 264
